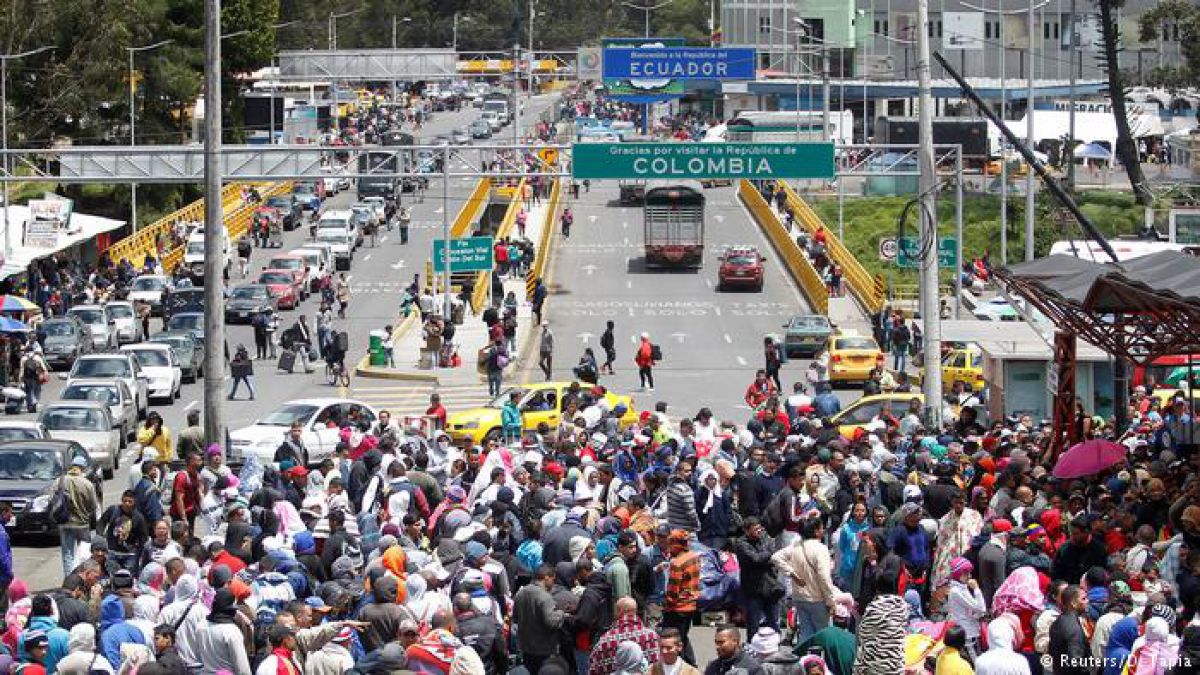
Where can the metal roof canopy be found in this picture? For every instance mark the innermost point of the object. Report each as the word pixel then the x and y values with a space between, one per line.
pixel 185 164
pixel 1012 340
pixel 1138 310
pixel 368 65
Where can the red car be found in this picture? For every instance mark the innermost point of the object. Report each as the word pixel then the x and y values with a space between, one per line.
pixel 295 264
pixel 741 266
pixel 283 285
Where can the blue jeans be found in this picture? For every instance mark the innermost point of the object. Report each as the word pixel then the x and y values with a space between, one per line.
pixel 249 380
pixel 33 392
pixel 810 618
pixel 899 357
pixel 495 378
pixel 760 612
pixel 69 537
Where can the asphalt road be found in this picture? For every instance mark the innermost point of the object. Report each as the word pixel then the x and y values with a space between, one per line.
pixel 712 341
pixel 378 276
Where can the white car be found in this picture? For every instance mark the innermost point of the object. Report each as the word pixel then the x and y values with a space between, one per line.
pixel 125 320
pixel 996 309
pixel 99 322
pixel 87 423
pixel 340 243
pixel 122 405
pixel 164 377
pixel 262 438
pixel 380 206
pixel 22 430
pixel 149 288
pixel 119 365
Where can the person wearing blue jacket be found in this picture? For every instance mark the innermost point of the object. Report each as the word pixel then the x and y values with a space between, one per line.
pixel 6 569
pixel 510 418
pixel 41 618
pixel 115 630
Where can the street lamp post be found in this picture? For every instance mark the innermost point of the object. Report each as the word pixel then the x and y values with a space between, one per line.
pixel 4 59
pixel 274 82
pixel 333 17
pixel 646 9
pixel 133 124
pixel 465 19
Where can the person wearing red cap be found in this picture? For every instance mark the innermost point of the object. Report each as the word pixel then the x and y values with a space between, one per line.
pixel 993 558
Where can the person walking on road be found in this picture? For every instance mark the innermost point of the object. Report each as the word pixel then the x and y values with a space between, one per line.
pixel 546 350
pixel 343 295
pixel 82 507
pixel 609 344
pixel 301 341
pixel 495 359
pixel 538 299
pixel 772 355
pixel 242 370
pixel 34 373
pixel 645 362
pixel 566 220
pixel 405 221
pixel 259 322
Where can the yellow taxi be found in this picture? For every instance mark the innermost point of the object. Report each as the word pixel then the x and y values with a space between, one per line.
pixel 540 402
pixel 863 411
pixel 1166 397
pixel 963 365
pixel 852 356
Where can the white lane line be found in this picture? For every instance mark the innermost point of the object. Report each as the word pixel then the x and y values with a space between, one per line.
pixel 191 405
pixel 366 257
pixel 717 311
pixel 630 311
pixel 383 239
pixel 741 361
pixel 628 284
pixel 728 339
pixel 708 282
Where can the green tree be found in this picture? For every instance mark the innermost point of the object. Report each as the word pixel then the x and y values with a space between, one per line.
pixel 1186 16
pixel 1126 150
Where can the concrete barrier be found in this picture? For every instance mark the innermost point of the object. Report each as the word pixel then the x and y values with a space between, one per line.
pixel 870 291
pixel 541 254
pixel 793 258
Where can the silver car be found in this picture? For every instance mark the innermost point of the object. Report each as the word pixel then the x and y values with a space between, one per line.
pixel 89 424
pixel 122 404
pixel 122 366
pixel 99 322
pixel 125 319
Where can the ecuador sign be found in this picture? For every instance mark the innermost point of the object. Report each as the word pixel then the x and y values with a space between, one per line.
pixel 469 254
pixel 682 161
pixel 679 63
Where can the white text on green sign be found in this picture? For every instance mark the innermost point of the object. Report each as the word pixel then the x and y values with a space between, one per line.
pixel 469 254
pixel 756 161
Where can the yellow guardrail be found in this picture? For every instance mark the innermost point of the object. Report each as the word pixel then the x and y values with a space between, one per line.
pixel 538 269
pixel 236 221
pixel 471 209
pixel 793 258
pixel 479 294
pixel 135 247
pixel 871 291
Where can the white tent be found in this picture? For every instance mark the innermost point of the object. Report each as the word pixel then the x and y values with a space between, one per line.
pixel 1090 127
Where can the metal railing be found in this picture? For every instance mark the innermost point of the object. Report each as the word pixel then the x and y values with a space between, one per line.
pixel 871 291
pixel 538 269
pixel 479 294
pixel 793 258
pixel 469 213
pixel 135 247
pixel 237 222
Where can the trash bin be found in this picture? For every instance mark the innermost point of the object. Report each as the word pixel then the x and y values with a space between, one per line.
pixel 375 347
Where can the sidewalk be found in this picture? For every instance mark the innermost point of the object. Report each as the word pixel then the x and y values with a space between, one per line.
pixel 469 337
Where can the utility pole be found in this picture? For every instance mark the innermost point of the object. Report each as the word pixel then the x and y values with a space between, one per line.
pixel 1030 201
pixel 1070 149
pixel 214 231
pixel 1003 157
pixel 133 125
pixel 517 103
pixel 931 383
pixel 4 59
pixel 532 13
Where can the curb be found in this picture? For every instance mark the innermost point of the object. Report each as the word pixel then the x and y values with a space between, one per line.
pixel 364 369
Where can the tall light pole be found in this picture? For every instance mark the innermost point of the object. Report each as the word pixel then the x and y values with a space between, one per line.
pixel 214 251
pixel 133 123
pixel 4 59
pixel 1030 202
pixel 333 17
pixel 928 239
pixel 397 20
pixel 646 8
pixel 532 13
pixel 465 19
pixel 275 80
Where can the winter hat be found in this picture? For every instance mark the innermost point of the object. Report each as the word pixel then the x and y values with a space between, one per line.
pixel 577 547
pixel 765 642
pixel 304 543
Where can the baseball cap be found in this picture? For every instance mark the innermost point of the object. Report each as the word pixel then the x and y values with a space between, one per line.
pixel 317 603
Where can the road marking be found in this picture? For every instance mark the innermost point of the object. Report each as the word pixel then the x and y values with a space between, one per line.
pixel 191 405
pixel 628 284
pixel 708 282
pixel 349 277
pixel 383 239
pixel 717 310
pixel 728 340
pixel 398 266
pixel 624 224
pixel 633 339
pixel 590 269
pixel 366 257
pixel 680 337
pixel 741 361
pixel 584 336
pixel 630 311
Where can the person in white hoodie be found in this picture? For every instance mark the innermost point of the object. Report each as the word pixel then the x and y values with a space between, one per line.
pixel 1000 659
pixel 965 605
pixel 334 658
pixel 83 658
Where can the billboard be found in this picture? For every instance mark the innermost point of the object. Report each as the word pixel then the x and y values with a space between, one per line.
pixel 588 62
pixel 680 63
pixel 695 161
pixel 962 30
pixel 643 90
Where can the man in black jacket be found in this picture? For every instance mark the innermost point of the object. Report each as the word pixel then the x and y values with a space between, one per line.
pixel 1081 553
pixel 1068 644
pixel 730 655
pixel 760 587
pixel 594 613
pixel 556 539
pixel 482 633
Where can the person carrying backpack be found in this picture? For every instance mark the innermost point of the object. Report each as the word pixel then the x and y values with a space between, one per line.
pixel 34 373
pixel 644 358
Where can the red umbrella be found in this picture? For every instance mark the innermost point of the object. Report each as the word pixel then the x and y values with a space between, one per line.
pixel 1089 458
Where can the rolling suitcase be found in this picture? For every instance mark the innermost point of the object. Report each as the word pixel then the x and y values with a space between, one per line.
pixel 287 360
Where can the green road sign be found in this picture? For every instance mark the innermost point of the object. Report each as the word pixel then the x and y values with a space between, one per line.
pixel 470 254
pixel 683 161
pixel 909 251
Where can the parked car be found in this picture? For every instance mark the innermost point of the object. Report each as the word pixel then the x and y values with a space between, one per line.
pixel 29 472
pixel 189 352
pixel 64 339
pixel 122 405
pixel 246 301
pixel 806 334
pixel 22 430
pixel 314 414
pixel 100 325
pixel 283 285
pixel 189 321
pixel 150 288
pixel 89 424
pixel 164 377
pixel 120 365
pixel 125 320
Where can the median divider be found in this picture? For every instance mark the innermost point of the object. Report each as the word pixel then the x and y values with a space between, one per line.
pixel 365 369
pixel 870 291
pixel 538 269
pixel 479 294
pixel 793 258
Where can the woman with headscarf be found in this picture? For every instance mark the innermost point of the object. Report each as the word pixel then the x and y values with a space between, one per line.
pixel 238 542
pixel 629 659
pixel 1155 651
pixel 956 530
pixel 422 602
pixel 1001 658
pixel 1051 520
pixel 83 659
pixel 17 614
pixel 145 615
pixel 965 605
pixel 187 614
pixel 849 541
pixel 715 510
pixel 1021 595
pixel 875 561
pixel 881 631
pixel 1120 644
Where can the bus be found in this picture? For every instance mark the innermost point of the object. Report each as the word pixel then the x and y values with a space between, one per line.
pixel 1126 249
pixel 407 163
pixel 779 126
pixel 673 224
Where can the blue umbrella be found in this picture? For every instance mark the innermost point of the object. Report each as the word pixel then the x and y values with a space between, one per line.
pixel 1092 151
pixel 8 325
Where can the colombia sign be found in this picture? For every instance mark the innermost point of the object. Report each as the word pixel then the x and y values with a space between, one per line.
pixel 650 161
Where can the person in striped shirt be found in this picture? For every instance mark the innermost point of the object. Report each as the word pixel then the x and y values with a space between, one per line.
pixel 683 589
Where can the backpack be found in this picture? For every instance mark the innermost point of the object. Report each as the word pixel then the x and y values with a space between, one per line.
pixel 773 518
pixel 655 353
pixel 30 370
pixel 60 508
